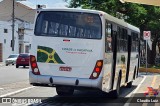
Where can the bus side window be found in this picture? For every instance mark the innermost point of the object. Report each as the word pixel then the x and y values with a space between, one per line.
pixel 122 40
pixel 108 37
pixel 137 42
pixel 134 42
pixel 125 42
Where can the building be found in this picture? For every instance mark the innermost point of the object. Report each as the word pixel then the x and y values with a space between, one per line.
pixel 24 19
pixel 6 38
pixel 25 32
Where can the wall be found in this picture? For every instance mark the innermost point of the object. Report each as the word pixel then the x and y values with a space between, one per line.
pixel 5 39
pixel 27 39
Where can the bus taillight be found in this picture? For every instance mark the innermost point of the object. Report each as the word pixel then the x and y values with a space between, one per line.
pixel 97 70
pixel 34 66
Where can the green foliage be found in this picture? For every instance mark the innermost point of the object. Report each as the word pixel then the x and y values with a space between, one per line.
pixel 143 16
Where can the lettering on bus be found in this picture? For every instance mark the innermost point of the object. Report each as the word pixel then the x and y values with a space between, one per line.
pixel 77 51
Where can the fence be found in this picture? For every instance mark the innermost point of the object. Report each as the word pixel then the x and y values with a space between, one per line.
pixel 143 61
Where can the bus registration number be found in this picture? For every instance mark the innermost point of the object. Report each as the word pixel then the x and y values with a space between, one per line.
pixel 65 68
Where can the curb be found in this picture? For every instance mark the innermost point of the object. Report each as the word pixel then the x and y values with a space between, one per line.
pixel 152 70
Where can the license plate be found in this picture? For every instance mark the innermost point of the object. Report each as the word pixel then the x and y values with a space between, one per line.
pixel 65 68
pixel 23 60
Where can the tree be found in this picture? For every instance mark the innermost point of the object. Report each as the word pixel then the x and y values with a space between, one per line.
pixel 143 16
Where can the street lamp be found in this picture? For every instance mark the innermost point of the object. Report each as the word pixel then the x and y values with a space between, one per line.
pixel 13 23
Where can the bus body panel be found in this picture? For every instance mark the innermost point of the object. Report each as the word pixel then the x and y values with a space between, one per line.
pixel 68 81
pixel 133 65
pixel 81 59
pixel 107 68
pixel 121 65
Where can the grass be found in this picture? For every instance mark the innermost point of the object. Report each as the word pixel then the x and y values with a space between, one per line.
pixel 156 67
pixel 151 66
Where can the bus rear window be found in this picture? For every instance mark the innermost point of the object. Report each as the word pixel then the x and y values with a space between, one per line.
pixel 68 24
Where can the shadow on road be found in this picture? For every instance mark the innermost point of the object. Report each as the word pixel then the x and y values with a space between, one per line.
pixel 89 97
pixel 21 67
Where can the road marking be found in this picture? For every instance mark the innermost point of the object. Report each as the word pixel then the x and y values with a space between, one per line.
pixel 129 100
pixel 153 81
pixel 152 85
pixel 15 92
pixel 139 84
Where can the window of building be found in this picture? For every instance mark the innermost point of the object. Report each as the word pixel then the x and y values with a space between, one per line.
pixel 4 41
pixel 5 30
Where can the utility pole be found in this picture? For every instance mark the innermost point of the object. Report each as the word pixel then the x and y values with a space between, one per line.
pixel 13 25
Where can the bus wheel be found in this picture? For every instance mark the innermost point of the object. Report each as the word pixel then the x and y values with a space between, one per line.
pixel 129 85
pixel 64 90
pixel 116 93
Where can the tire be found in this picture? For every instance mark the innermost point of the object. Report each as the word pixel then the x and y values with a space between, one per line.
pixel 24 66
pixel 116 93
pixel 64 91
pixel 17 66
pixel 12 64
pixel 6 64
pixel 129 85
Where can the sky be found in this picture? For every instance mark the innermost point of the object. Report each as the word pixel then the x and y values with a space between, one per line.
pixel 48 3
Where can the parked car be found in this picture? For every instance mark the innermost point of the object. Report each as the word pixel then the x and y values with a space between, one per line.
pixel 11 59
pixel 22 60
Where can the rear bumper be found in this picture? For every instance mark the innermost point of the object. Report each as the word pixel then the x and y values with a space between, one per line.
pixel 22 64
pixel 68 81
pixel 10 62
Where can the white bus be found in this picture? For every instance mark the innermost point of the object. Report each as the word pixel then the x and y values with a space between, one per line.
pixel 80 48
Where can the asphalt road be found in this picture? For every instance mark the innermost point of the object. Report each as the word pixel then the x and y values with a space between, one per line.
pixel 17 80
pixel 49 97
pixel 11 74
